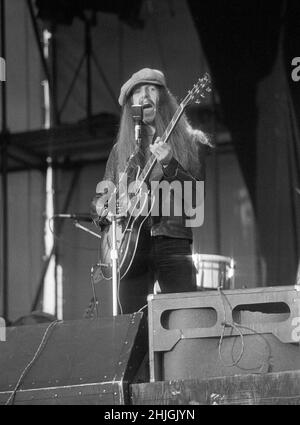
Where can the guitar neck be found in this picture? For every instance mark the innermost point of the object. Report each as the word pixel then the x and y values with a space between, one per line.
pixel 198 91
pixel 152 160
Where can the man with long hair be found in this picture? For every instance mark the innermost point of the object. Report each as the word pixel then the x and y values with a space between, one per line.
pixel 164 253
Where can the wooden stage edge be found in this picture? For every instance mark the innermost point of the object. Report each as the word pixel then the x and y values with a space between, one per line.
pixel 279 388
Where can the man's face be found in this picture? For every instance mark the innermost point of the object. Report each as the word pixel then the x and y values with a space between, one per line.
pixel 146 94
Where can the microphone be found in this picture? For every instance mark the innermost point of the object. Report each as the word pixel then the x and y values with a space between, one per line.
pixel 78 217
pixel 137 115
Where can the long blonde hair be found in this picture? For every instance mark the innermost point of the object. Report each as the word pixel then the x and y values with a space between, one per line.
pixel 183 140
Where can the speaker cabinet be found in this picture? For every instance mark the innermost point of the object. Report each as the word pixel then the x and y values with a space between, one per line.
pixel 88 361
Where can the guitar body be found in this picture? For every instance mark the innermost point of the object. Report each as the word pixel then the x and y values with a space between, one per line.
pixel 127 237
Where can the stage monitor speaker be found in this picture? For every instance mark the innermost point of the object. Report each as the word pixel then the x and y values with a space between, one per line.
pixel 89 361
pixel 234 332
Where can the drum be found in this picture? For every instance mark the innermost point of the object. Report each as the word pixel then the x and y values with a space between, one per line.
pixel 214 271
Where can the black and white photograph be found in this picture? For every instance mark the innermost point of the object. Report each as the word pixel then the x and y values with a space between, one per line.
pixel 149 205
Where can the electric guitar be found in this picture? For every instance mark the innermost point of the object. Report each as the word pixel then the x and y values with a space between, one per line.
pixel 128 228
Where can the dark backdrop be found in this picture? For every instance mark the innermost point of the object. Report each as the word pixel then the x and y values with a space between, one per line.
pixel 249 46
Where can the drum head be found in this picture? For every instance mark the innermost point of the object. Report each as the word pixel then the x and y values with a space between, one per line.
pixel 214 271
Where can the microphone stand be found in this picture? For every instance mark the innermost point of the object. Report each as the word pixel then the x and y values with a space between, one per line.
pixel 80 226
pixel 137 111
pixel 114 264
pixel 137 115
pixel 114 260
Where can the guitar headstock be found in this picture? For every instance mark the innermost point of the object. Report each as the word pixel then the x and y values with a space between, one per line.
pixel 199 90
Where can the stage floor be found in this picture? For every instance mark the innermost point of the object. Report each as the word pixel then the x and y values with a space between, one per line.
pixel 281 388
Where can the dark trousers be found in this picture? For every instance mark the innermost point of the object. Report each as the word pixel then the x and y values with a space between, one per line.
pixel 167 260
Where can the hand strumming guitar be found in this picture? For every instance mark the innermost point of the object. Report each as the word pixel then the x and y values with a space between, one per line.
pixel 162 151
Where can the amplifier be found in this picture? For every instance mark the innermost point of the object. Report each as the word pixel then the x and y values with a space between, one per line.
pixel 223 333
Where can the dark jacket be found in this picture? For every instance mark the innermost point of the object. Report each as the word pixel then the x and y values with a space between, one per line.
pixel 171 225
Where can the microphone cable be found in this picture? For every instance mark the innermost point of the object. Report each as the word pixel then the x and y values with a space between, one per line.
pixel 38 352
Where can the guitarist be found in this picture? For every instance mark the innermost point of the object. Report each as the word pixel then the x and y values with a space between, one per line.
pixel 164 252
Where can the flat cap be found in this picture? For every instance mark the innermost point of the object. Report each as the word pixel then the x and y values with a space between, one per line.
pixel 146 76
